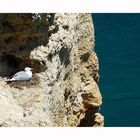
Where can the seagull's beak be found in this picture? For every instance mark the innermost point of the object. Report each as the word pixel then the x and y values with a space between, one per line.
pixel 31 68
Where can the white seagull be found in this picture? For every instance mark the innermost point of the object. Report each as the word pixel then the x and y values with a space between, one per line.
pixel 25 75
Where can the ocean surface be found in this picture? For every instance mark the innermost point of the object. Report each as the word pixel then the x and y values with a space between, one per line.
pixel 117 44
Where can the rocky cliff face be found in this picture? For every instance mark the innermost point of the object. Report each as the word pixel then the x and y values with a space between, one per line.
pixel 64 90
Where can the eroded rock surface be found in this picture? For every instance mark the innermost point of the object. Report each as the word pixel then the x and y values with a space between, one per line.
pixel 64 90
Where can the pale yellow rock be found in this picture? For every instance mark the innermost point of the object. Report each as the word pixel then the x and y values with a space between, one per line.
pixel 64 86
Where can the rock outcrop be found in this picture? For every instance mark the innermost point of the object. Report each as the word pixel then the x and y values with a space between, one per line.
pixel 64 90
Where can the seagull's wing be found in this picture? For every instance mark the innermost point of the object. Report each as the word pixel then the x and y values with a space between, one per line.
pixel 18 73
pixel 21 76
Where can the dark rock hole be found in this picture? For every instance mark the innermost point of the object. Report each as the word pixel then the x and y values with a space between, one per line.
pixel 85 57
pixel 89 119
pixel 66 27
pixel 64 56
pixel 10 64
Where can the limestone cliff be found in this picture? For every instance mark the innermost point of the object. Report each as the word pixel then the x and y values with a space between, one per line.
pixel 64 90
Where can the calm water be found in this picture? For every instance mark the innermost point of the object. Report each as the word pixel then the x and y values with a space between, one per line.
pixel 117 44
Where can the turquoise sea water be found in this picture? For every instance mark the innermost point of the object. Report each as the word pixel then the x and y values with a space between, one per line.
pixel 117 44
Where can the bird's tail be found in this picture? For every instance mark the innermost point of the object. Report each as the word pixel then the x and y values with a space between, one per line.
pixel 9 80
